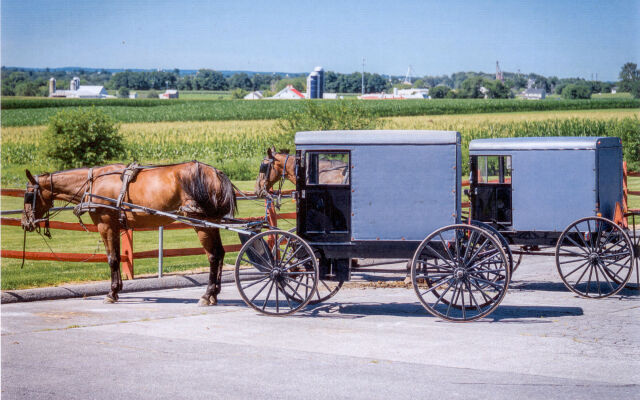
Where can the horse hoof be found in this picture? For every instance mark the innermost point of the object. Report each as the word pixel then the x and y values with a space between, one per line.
pixel 203 302
pixel 108 300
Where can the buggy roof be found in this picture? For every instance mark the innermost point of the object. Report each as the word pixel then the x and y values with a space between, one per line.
pixel 393 137
pixel 544 143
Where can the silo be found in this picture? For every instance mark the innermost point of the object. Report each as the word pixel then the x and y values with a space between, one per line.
pixel 312 85
pixel 75 83
pixel 52 86
pixel 320 72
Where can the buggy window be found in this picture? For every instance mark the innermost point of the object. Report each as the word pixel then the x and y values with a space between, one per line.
pixel 493 169
pixel 327 168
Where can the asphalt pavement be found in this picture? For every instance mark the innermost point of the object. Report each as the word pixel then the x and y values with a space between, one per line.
pixel 365 343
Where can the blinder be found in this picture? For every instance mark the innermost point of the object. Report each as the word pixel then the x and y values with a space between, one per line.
pixel 29 197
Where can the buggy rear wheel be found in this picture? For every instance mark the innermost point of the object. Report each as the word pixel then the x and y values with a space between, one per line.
pixel 460 273
pixel 276 273
pixel 594 257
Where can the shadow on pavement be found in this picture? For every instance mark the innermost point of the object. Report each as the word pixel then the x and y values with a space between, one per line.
pixel 336 310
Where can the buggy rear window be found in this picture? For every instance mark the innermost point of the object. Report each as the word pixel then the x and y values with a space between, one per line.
pixel 327 168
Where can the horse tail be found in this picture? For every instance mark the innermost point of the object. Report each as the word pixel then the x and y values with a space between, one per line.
pixel 216 201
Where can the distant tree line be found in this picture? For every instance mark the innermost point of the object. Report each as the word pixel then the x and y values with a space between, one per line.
pixel 23 82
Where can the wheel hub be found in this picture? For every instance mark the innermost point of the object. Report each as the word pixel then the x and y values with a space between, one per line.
pixel 594 258
pixel 459 273
pixel 276 273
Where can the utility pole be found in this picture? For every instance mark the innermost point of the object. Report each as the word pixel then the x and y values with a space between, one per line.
pixel 363 76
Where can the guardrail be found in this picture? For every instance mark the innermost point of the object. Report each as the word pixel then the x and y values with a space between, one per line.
pixel 128 255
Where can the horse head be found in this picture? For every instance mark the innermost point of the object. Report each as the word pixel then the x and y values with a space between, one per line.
pixel 274 167
pixel 37 202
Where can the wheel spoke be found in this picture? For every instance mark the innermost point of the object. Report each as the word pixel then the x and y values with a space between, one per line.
pixel 604 275
pixel 268 295
pixel 266 263
pixel 260 267
pixel 255 282
pixel 446 247
pixel 260 291
pixel 580 266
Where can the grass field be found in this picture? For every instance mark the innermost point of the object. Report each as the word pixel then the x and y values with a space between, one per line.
pixel 22 112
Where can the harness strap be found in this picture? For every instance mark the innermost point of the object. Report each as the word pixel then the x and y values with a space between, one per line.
pixel 127 176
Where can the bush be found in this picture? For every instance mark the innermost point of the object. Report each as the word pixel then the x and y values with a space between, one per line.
pixel 123 93
pixel 152 94
pixel 238 93
pixel 439 92
pixel 322 116
pixel 82 137
pixel 576 92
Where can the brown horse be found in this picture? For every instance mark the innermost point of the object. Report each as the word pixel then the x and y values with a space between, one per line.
pixel 276 167
pixel 192 189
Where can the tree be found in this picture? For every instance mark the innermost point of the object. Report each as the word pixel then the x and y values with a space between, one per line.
pixel 439 92
pixel 123 93
pixel 575 91
pixel 208 79
pixel 298 83
pixel 82 137
pixel 240 81
pixel 629 74
pixel 238 93
pixel 470 88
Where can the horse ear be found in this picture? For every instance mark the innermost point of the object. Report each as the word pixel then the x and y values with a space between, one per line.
pixel 270 152
pixel 284 151
pixel 30 177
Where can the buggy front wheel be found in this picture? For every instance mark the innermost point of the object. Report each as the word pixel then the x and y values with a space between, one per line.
pixel 276 273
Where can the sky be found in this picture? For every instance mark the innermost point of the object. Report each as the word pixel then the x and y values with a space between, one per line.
pixel 552 38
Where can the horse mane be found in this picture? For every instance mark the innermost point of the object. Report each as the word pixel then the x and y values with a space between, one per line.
pixel 215 202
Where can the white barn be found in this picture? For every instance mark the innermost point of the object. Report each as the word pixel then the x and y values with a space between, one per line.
pixel 257 95
pixel 289 93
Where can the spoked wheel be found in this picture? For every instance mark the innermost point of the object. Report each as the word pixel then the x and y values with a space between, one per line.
pixel 276 273
pixel 503 242
pixel 594 257
pixel 460 273
pixel 326 289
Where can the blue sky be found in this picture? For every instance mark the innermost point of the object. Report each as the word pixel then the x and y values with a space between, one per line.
pixel 562 38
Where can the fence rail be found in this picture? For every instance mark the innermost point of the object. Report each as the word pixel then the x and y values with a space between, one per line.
pixel 128 255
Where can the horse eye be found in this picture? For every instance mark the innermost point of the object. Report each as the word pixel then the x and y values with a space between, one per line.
pixel 28 197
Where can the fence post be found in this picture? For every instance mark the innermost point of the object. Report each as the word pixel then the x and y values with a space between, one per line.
pixel 126 257
pixel 160 250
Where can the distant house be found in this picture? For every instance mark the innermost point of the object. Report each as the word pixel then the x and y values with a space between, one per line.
pixel 169 94
pixel 484 91
pixel 614 90
pixel 257 95
pixel 133 95
pixel 534 94
pixel 330 96
pixel 412 93
pixel 290 93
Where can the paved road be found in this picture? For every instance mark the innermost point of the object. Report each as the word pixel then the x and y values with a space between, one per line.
pixel 542 342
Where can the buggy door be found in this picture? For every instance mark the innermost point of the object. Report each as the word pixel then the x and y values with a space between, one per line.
pixel 324 196
pixel 490 192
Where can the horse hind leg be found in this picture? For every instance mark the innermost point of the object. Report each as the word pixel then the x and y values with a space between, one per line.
pixel 111 239
pixel 212 243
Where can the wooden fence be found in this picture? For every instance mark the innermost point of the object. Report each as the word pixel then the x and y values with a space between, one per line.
pixel 128 255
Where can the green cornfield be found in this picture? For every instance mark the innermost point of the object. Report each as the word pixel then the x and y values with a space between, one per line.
pixel 25 112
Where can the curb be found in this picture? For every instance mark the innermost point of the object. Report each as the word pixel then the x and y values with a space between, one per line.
pixel 102 288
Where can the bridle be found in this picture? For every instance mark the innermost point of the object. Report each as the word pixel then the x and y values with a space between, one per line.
pixel 265 173
pixel 31 197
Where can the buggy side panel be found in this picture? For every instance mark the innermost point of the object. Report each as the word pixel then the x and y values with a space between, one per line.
pixel 609 179
pixel 403 192
pixel 551 189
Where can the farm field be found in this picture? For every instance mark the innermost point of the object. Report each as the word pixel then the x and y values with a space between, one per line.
pixel 21 112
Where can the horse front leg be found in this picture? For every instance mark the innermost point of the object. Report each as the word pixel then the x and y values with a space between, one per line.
pixel 212 243
pixel 111 238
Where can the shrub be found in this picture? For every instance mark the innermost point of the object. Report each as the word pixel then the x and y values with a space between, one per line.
pixel 439 92
pixel 576 92
pixel 82 137
pixel 238 93
pixel 123 93
pixel 322 116
pixel 152 94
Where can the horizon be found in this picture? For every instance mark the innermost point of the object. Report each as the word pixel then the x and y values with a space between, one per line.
pixel 548 38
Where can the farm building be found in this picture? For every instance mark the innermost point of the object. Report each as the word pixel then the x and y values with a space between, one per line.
pixel 77 91
pixel 614 90
pixel 290 93
pixel 257 95
pixel 169 94
pixel 534 94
